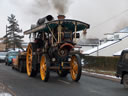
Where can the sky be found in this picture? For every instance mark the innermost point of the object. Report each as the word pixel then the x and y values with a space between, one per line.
pixel 104 16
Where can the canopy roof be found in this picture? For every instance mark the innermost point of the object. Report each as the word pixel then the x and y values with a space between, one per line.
pixel 67 23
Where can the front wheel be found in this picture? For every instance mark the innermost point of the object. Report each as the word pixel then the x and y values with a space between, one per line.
pixel 44 68
pixel 76 68
pixel 125 80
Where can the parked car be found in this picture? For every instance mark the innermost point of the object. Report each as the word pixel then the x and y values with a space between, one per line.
pixel 122 68
pixel 2 56
pixel 10 55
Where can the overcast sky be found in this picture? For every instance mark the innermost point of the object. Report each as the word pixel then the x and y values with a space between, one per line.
pixel 104 16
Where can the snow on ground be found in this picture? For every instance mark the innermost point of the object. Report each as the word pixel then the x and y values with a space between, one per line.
pixel 4 90
pixel 5 94
pixel 114 77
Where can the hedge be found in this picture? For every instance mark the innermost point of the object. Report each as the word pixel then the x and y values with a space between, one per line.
pixel 101 63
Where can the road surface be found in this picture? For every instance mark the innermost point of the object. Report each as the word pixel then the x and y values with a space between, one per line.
pixel 22 85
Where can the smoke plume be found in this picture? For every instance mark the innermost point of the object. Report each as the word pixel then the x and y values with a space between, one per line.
pixel 37 8
pixel 34 8
pixel 104 16
pixel 61 6
pixel 41 7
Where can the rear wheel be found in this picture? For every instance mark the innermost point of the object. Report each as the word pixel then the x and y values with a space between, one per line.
pixel 125 80
pixel 44 68
pixel 76 68
pixel 21 67
pixel 29 60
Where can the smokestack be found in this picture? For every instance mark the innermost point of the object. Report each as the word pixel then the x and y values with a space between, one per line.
pixel 60 17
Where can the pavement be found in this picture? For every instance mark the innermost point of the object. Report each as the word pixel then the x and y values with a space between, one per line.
pixel 22 85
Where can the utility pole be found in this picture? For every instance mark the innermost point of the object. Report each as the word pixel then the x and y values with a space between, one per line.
pixel 98 43
pixel 97 50
pixel 6 40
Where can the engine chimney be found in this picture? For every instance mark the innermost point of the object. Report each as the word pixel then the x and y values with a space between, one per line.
pixel 61 17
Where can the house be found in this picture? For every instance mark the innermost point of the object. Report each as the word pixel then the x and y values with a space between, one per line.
pixel 3 46
pixel 88 43
pixel 109 46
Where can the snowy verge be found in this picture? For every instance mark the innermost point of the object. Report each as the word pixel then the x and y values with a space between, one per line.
pixel 5 94
pixel 5 90
pixel 109 77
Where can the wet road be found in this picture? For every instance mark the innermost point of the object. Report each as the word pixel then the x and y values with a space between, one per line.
pixel 22 85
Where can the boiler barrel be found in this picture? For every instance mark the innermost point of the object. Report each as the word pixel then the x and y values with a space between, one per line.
pixel 45 19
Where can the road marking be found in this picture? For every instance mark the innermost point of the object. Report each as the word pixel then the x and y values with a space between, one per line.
pixel 64 82
pixel 93 91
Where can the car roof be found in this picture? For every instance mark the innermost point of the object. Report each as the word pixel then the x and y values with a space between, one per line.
pixel 13 52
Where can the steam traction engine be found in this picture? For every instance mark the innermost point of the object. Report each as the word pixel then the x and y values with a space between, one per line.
pixel 53 48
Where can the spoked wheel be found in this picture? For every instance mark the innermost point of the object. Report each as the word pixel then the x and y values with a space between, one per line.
pixel 125 80
pixel 76 67
pixel 29 61
pixel 44 68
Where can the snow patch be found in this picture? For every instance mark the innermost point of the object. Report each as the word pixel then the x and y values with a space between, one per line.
pixel 5 94
pixel 114 77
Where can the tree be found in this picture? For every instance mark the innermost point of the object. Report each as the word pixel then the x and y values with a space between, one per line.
pixel 12 38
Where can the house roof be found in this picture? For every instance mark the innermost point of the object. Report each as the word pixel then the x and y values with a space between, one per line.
pixel 109 43
pixel 124 29
pixel 119 52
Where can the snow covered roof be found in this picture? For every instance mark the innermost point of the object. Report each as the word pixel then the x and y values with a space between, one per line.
pixel 107 44
pixel 100 47
pixel 119 52
pixel 124 29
